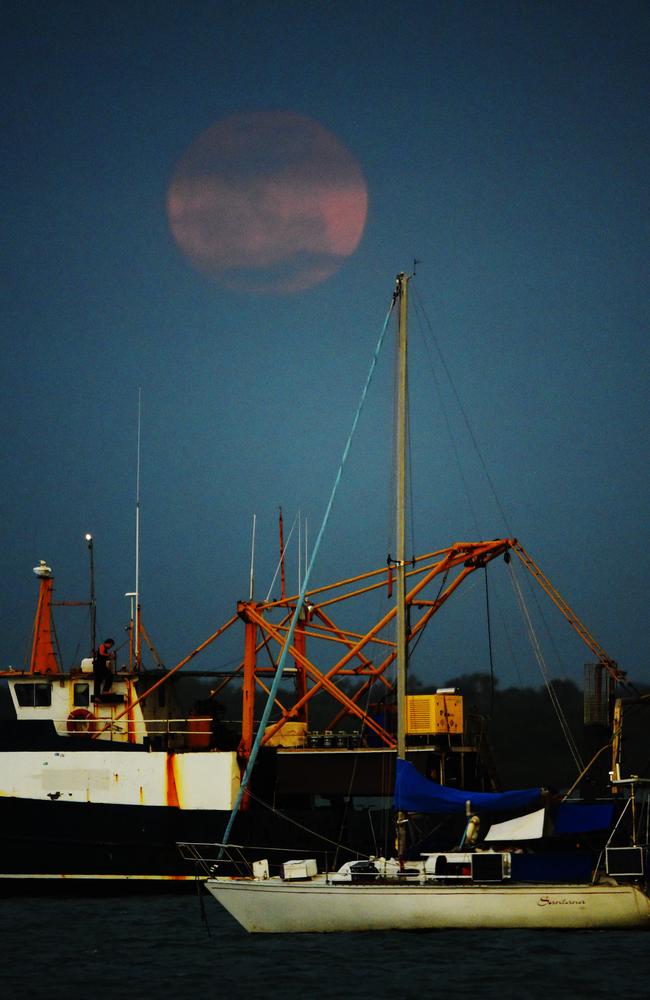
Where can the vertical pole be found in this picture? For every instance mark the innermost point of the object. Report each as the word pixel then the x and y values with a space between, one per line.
pixel 283 587
pixel 306 558
pixel 136 620
pixel 299 552
pixel 617 722
pixel 248 694
pixel 400 511
pixel 301 674
pixel 131 630
pixel 131 636
pixel 93 602
pixel 400 537
pixel 251 583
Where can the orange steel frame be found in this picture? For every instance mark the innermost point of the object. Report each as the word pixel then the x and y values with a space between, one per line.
pixel 367 655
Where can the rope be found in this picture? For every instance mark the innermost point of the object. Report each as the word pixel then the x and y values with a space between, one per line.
pixel 575 753
pixel 204 916
pixel 305 584
pixel 305 829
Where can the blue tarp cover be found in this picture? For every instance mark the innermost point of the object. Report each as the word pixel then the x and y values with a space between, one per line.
pixel 581 817
pixel 415 793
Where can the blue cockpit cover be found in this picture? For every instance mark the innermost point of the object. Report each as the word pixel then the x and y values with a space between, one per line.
pixel 583 817
pixel 415 793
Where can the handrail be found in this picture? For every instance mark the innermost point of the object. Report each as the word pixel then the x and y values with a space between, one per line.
pixel 148 727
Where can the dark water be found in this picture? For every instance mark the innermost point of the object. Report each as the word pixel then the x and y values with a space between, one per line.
pixel 150 947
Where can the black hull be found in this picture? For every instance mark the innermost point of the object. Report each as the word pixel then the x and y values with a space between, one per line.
pixel 85 848
pixel 52 845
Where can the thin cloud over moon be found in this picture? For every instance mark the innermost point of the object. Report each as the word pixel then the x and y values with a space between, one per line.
pixel 267 202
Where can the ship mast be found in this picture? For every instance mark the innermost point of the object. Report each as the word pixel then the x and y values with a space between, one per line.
pixel 136 614
pixel 401 293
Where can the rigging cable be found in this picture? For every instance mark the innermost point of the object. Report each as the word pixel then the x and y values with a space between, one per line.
pixel 575 753
pixel 443 584
pixel 450 432
pixel 423 319
pixel 301 826
pixel 353 772
pixel 305 583
pixel 422 314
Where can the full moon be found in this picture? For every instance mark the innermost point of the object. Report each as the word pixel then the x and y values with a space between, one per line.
pixel 268 202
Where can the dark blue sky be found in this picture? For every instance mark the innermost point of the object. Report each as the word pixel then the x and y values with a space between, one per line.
pixel 504 144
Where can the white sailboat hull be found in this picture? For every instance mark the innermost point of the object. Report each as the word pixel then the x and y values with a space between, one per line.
pixel 272 906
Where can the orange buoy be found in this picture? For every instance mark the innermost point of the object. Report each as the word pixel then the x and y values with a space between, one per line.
pixel 81 721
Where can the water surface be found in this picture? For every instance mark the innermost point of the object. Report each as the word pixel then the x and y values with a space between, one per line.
pixel 147 947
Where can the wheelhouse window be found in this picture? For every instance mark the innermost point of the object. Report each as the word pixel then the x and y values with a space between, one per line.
pixel 34 695
pixel 82 695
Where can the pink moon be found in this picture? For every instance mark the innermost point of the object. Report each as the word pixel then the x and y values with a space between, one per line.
pixel 268 202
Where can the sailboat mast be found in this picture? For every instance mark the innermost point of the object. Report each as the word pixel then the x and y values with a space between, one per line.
pixel 400 537
pixel 400 509
pixel 136 614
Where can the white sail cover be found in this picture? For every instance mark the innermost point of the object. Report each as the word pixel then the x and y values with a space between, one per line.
pixel 529 827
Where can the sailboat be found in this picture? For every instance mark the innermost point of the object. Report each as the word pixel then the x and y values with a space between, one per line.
pixel 520 875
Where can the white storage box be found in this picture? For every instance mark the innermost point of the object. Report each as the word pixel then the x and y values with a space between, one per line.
pixel 261 869
pixel 299 869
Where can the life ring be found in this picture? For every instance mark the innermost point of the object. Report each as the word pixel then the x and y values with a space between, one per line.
pixel 81 721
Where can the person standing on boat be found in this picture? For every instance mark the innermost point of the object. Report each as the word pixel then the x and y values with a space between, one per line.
pixel 102 667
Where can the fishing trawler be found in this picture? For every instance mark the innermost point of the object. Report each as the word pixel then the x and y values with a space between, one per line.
pixel 522 874
pixel 95 792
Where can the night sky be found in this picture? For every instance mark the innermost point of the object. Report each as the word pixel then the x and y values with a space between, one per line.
pixel 503 144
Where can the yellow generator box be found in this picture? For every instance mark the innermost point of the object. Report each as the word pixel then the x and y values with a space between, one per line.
pixel 433 714
pixel 292 734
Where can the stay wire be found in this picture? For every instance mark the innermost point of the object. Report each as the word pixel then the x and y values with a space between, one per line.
pixel 301 826
pixel 424 318
pixel 470 430
pixel 575 753
pixel 353 772
pixel 416 643
pixel 305 584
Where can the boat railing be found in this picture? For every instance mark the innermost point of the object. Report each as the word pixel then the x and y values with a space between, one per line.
pixel 207 858
pixel 178 727
pixel 195 731
pixel 244 861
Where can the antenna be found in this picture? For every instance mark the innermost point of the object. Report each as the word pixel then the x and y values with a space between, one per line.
pixel 93 602
pixel 136 615
pixel 306 562
pixel 252 575
pixel 283 592
pixel 299 551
